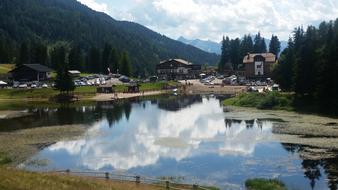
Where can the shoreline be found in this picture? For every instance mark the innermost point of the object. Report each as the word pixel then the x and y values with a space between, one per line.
pixel 120 96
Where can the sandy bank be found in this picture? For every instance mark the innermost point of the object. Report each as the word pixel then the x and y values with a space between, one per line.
pixel 109 97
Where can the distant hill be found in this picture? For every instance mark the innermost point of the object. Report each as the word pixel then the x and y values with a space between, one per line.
pixel 214 47
pixel 69 20
pixel 208 46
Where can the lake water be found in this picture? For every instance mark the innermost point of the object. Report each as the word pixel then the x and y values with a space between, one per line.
pixel 188 138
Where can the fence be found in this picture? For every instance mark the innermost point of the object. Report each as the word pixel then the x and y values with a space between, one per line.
pixel 166 184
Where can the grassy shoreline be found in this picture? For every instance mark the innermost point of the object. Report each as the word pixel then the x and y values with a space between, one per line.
pixel 270 100
pixel 84 92
pixel 24 180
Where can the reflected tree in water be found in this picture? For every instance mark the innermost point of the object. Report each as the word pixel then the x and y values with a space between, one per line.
pixel 312 171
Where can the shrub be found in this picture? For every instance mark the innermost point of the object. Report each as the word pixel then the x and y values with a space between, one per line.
pixel 264 184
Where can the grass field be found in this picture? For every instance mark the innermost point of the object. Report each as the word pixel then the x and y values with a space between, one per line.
pixel 5 68
pixel 12 179
pixel 43 93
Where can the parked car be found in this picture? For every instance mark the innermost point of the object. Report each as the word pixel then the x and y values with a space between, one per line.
pixel 23 85
pixel 44 86
pixel 124 79
pixel 252 89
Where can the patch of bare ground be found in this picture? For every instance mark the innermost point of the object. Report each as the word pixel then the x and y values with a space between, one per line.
pixel 22 144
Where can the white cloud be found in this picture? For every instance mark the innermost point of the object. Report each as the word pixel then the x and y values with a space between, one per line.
pixel 93 4
pixel 210 19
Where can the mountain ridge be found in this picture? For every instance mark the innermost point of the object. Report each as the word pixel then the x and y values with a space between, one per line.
pixel 69 20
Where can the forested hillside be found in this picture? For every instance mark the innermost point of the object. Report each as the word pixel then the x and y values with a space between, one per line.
pixel 50 21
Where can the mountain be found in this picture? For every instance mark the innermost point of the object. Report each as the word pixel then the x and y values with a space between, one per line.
pixel 208 46
pixel 68 20
pixel 214 47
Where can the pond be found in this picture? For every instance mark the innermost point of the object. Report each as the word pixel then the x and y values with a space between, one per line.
pixel 188 138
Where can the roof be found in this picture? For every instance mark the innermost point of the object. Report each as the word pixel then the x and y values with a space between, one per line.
pixel 36 67
pixel 177 60
pixel 74 72
pixel 269 57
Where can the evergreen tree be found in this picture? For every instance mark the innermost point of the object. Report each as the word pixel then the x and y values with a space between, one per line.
pixel 283 72
pixel 75 58
pixel 125 67
pixel 235 56
pixel 63 81
pixel 106 54
pixel 24 57
pixel 327 75
pixel 39 53
pixel 305 68
pixel 257 47
pixel 246 45
pixel 114 60
pixel 225 56
pixel 94 61
pixel 274 46
pixel 263 48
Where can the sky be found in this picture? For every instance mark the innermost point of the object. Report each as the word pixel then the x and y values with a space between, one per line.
pixel 211 19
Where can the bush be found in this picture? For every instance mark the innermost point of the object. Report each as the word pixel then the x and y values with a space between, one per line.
pixel 270 100
pixel 264 184
pixel 4 159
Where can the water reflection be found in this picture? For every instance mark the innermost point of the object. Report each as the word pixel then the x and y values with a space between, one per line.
pixel 177 136
pixel 314 164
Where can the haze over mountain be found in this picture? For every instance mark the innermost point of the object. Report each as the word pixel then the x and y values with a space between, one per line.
pixel 214 47
pixel 208 46
pixel 68 20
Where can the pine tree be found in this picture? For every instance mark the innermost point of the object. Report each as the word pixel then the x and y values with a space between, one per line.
pixel 274 46
pixel 114 61
pixel 106 54
pixel 283 73
pixel 125 67
pixel 24 57
pixel 327 74
pixel 305 70
pixel 39 53
pixel 257 43
pixel 94 61
pixel 63 81
pixel 235 56
pixel 225 56
pixel 76 59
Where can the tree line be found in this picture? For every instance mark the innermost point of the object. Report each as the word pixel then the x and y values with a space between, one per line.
pixel 234 50
pixel 309 66
pixel 95 60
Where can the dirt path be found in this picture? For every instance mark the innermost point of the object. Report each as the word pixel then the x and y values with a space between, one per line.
pixel 109 97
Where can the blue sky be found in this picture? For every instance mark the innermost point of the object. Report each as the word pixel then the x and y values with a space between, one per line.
pixel 211 19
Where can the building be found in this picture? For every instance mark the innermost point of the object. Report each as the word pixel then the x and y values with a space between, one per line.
pixel 258 65
pixel 177 69
pixel 74 73
pixel 31 72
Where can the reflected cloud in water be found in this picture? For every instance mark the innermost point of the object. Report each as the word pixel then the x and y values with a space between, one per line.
pixel 144 137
